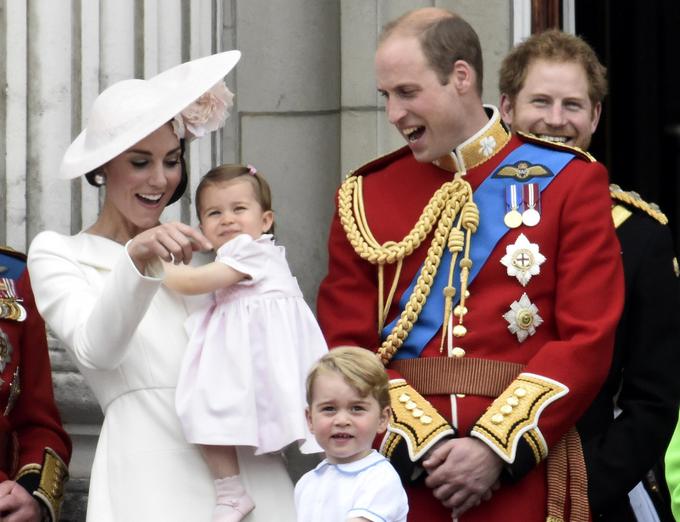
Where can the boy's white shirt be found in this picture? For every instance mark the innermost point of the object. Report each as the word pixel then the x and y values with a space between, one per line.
pixel 368 488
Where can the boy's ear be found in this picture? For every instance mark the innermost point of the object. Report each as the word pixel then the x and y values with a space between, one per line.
pixel 308 416
pixel 385 416
pixel 267 220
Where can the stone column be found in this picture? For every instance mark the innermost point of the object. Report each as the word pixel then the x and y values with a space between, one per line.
pixel 288 101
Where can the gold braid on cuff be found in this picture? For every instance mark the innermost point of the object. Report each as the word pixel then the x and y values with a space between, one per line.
pixel 515 413
pixel 52 479
pixel 414 420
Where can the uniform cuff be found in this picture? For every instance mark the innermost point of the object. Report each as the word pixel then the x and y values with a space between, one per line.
pixel 414 421
pixel 513 417
pixel 46 482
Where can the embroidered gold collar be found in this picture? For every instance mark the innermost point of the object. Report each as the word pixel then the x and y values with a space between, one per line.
pixel 479 147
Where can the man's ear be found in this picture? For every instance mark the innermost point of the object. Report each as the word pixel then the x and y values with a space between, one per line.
pixel 597 112
pixel 506 109
pixel 463 77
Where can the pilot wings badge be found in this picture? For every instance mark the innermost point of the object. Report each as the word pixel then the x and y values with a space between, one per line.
pixel 523 171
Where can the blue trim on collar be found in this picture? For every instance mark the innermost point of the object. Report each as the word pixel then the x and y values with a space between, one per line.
pixel 353 468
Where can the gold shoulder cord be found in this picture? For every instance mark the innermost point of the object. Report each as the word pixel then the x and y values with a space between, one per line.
pixel 634 200
pixel 452 200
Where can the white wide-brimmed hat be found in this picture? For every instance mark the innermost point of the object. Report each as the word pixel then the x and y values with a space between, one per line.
pixel 130 110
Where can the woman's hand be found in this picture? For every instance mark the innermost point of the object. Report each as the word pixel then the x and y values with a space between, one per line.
pixel 172 242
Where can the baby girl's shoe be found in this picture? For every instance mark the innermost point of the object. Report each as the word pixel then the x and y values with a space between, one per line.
pixel 233 502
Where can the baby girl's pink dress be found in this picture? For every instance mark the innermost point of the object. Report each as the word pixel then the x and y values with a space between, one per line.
pixel 242 378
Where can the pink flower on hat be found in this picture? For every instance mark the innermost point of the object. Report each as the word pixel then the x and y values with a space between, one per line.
pixel 206 114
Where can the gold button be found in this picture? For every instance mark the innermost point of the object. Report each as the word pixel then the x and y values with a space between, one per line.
pixel 512 400
pixel 506 409
pixel 520 392
pixel 426 419
pixel 417 413
pixel 459 311
pixel 460 395
pixel 497 419
pixel 459 330
pixel 404 397
pixel 410 405
pixel 466 262
pixel 458 352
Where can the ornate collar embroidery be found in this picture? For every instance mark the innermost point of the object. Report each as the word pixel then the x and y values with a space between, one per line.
pixel 479 147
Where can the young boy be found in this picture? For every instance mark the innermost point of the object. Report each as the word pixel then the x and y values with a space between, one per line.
pixel 348 404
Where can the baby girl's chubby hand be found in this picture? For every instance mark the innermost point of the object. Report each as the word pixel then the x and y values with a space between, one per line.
pixel 172 242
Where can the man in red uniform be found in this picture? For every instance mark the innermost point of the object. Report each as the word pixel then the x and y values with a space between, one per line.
pixel 552 85
pixel 34 448
pixel 484 270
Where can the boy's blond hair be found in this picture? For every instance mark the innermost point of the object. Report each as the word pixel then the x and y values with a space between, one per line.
pixel 360 368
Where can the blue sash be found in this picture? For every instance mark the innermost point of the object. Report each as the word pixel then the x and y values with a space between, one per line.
pixel 490 198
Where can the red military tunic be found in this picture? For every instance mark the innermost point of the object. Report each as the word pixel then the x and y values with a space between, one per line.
pixel 34 448
pixel 578 294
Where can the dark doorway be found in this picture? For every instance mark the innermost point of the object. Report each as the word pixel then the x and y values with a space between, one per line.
pixel 639 136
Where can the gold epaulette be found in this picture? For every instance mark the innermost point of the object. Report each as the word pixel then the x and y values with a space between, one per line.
pixel 379 162
pixel 633 199
pixel 579 153
pixel 414 420
pixel 13 253
pixel 620 214
pixel 514 415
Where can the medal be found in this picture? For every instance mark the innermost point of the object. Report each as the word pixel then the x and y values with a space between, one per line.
pixel 22 313
pixel 10 305
pixel 512 219
pixel 523 259
pixel 531 215
pixel 513 200
pixel 523 318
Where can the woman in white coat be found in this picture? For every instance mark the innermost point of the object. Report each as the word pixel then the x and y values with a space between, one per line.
pixel 100 292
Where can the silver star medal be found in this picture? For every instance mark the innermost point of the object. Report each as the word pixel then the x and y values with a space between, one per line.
pixel 522 259
pixel 523 318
